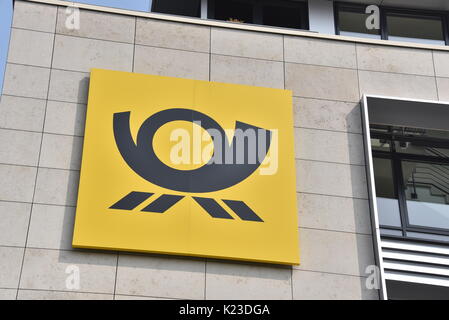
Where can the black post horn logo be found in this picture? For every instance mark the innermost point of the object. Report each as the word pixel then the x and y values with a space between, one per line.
pixel 212 176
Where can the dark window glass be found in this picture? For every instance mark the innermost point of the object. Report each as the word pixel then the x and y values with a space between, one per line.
pixel 427 193
pixel 387 202
pixel 415 29
pixel 405 290
pixel 287 14
pixel 418 141
pixel 428 236
pixel 395 24
pixel 279 16
pixel 419 148
pixel 235 11
pixel 353 23
pixel 411 172
pixel 183 8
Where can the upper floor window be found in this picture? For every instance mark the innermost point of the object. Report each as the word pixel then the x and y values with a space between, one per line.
pixel 411 172
pixel 403 26
pixel 350 21
pixel 191 8
pixel 395 24
pixel 280 13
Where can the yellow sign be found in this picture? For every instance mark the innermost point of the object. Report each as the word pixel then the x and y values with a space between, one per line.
pixel 188 167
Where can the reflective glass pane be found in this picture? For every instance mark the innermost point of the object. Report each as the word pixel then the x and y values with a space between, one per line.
pixel 427 193
pixel 279 16
pixel 183 8
pixel 427 236
pixel 234 10
pixel 419 141
pixel 390 232
pixel 388 210
pixel 415 29
pixel 426 142
pixel 415 147
pixel 354 23
pixel 387 202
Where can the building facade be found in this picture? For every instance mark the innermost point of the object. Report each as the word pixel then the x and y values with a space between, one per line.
pixel 332 77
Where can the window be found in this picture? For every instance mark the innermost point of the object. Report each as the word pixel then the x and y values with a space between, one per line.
pixel 395 24
pixel 350 21
pixel 387 200
pixel 235 11
pixel 426 187
pixel 411 172
pixel 287 14
pixel 190 8
pixel 415 28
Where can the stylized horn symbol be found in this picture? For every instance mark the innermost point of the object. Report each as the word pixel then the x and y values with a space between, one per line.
pixel 210 177
pixel 213 176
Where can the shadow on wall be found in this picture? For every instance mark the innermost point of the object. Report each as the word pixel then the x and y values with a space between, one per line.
pixel 357 180
pixel 73 179
pixel 364 242
pixel 83 90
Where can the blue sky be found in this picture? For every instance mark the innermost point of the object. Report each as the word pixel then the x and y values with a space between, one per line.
pixel 138 5
pixel 6 16
pixel 5 23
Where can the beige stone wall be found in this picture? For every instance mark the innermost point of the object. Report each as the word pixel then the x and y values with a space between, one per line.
pixel 42 113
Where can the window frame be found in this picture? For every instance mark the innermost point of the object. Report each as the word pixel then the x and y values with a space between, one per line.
pixel 351 7
pixel 397 159
pixel 386 10
pixel 258 12
pixel 443 15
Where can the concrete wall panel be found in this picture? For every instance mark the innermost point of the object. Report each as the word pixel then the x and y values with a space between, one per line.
pixel 47 98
